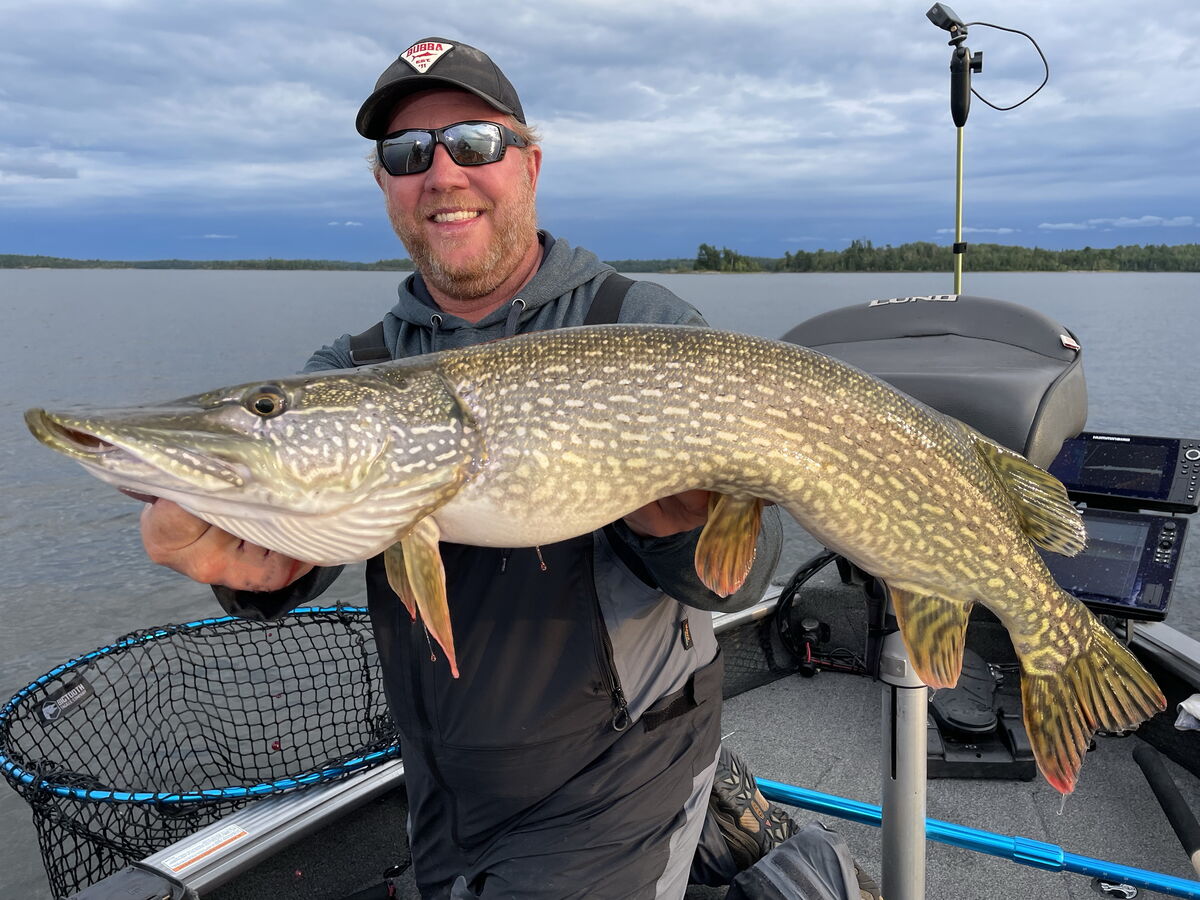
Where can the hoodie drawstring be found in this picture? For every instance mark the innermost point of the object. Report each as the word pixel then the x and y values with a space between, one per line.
pixel 435 322
pixel 514 313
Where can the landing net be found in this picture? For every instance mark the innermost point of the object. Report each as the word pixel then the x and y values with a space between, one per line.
pixel 134 746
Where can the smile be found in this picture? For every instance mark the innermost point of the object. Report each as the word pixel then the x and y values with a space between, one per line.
pixel 457 216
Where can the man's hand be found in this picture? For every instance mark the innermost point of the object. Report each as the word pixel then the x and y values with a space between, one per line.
pixel 178 540
pixel 670 515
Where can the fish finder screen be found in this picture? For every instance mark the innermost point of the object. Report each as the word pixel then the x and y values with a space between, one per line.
pixel 1133 469
pixel 1108 568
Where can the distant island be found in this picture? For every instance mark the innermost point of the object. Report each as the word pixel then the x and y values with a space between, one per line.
pixel 860 256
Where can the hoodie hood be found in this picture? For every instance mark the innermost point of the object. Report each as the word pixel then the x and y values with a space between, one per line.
pixel 558 296
pixel 563 270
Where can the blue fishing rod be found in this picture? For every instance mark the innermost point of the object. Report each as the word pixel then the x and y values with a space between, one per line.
pixel 1026 851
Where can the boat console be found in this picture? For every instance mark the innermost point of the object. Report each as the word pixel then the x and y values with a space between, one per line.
pixel 1129 471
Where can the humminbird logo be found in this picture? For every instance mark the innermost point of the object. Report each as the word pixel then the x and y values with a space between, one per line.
pixel 423 55
pixel 1110 437
pixel 928 298
pixel 66 700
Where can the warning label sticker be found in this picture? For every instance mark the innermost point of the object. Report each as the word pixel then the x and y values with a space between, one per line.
pixel 205 847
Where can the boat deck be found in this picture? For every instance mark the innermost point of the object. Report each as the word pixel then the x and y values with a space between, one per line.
pixel 824 733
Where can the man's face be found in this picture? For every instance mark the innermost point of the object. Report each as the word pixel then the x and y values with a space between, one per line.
pixel 467 228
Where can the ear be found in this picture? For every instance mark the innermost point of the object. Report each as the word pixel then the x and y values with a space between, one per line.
pixel 533 163
pixel 380 174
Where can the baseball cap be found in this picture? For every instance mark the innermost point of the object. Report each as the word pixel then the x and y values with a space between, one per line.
pixel 431 62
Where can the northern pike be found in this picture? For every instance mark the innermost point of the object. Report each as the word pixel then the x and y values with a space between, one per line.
pixel 546 436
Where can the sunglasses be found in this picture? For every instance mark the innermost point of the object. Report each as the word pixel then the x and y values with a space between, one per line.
pixel 468 143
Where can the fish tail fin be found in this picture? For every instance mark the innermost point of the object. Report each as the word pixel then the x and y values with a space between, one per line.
pixel 934 629
pixel 1104 687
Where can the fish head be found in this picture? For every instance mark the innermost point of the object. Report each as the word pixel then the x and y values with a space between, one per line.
pixel 329 468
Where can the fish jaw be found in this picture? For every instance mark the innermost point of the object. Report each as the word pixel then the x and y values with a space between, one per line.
pixel 139 461
pixel 347 463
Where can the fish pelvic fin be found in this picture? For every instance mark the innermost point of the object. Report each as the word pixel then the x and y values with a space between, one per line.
pixel 725 550
pixel 415 572
pixel 934 629
pixel 1046 513
pixel 1105 687
pixel 397 576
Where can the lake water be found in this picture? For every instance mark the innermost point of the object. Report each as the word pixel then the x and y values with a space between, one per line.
pixel 72 573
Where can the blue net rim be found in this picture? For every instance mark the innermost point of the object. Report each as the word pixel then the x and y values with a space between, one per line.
pixel 14 773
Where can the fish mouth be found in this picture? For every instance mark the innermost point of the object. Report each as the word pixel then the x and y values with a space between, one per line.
pixel 136 466
pixel 56 434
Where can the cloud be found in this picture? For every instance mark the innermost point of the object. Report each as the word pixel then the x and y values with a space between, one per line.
pixel 1064 226
pixel 696 118
pixel 40 169
pixel 219 237
pixel 1145 222
pixel 969 230
pixel 1122 222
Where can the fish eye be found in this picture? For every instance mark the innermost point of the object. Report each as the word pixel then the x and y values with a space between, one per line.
pixel 266 401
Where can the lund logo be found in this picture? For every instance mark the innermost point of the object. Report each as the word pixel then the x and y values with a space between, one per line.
pixel 937 298
pixel 423 55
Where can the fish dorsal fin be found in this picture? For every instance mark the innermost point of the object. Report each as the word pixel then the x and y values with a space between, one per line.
pixel 725 550
pixel 1046 513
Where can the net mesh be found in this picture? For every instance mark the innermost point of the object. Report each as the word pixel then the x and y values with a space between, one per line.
pixel 754 656
pixel 136 745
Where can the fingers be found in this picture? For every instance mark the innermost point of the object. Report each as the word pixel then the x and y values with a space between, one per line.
pixel 178 540
pixel 670 515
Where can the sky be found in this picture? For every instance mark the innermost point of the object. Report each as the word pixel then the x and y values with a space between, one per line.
pixel 214 129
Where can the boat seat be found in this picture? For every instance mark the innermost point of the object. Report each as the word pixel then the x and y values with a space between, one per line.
pixel 1010 372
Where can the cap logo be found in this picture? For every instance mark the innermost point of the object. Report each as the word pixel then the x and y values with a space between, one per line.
pixel 424 54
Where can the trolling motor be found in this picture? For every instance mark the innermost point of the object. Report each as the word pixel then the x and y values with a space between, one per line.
pixel 962 64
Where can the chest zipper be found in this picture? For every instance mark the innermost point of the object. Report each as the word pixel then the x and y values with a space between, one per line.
pixel 608 668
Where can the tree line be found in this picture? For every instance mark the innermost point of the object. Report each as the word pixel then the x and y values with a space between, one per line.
pixel 924 256
pixel 860 256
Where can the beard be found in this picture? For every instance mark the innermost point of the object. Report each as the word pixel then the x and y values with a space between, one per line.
pixel 483 274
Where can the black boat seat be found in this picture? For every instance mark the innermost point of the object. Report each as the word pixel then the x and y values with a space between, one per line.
pixel 1011 372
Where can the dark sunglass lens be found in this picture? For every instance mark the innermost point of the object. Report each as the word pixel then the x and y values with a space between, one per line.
pixel 407 153
pixel 474 143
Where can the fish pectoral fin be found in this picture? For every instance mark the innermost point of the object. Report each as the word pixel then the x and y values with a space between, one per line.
pixel 934 629
pixel 1045 511
pixel 725 551
pixel 1103 687
pixel 415 572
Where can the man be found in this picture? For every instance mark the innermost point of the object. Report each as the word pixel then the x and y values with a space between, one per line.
pixel 577 753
